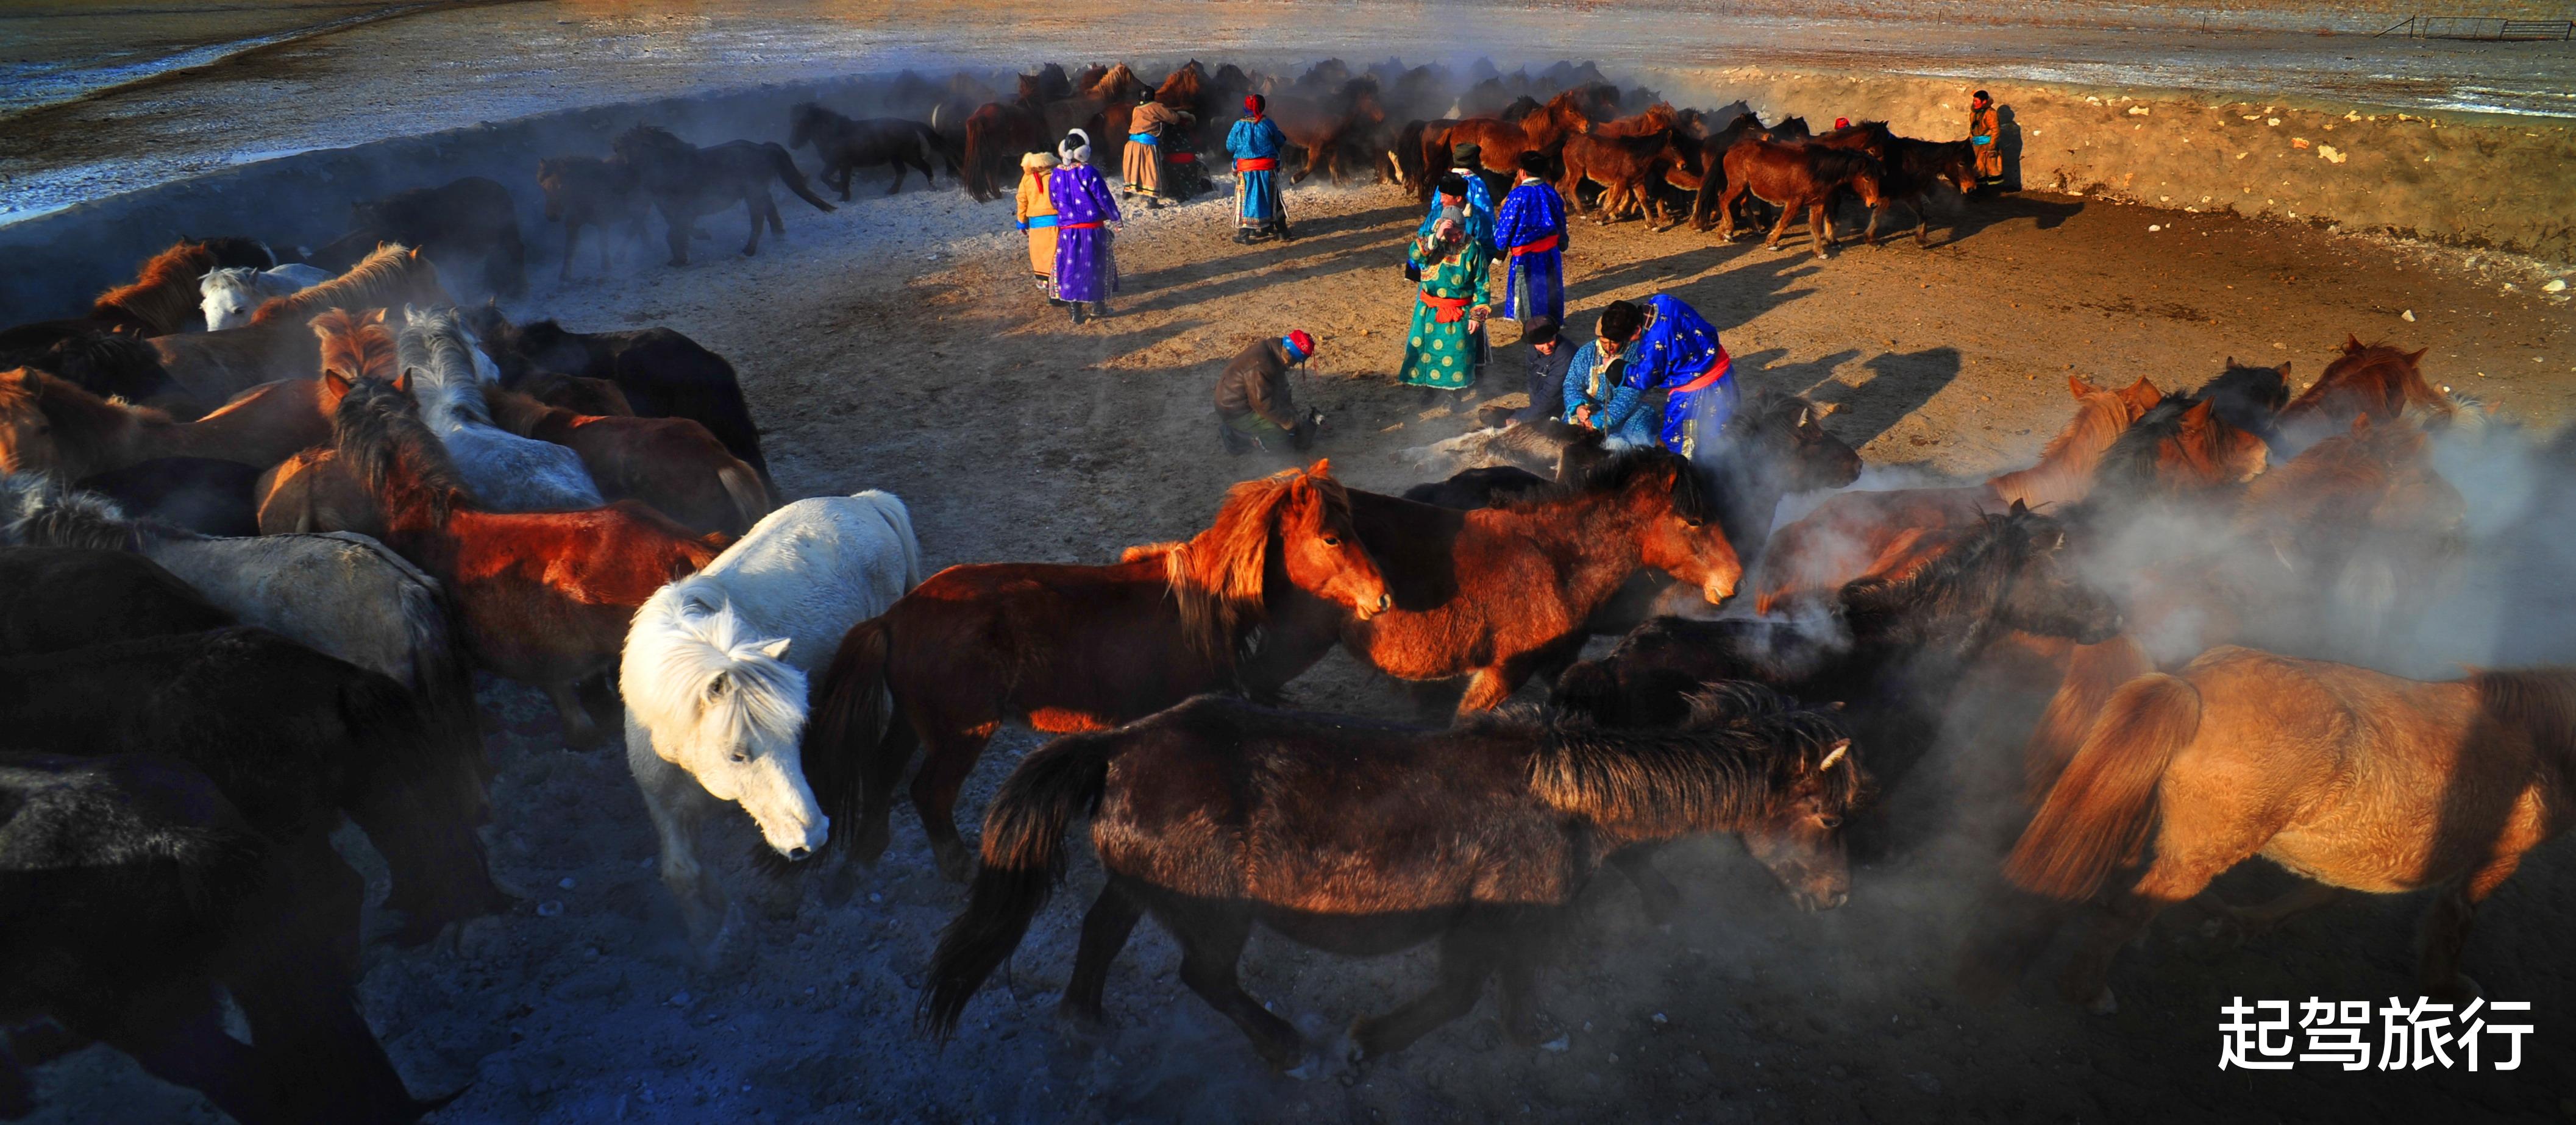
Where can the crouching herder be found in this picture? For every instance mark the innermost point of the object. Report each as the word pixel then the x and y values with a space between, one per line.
pixel 1673 349
pixel 1036 215
pixel 1253 406
pixel 1086 269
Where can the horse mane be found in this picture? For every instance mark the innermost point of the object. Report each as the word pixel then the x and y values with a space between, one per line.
pixel 2540 702
pixel 2133 457
pixel 432 344
pixel 378 279
pixel 1615 472
pixel 357 345
pixel 1662 782
pixel 2076 453
pixel 1218 575
pixel 378 432
pixel 2407 384
pixel 166 294
pixel 1962 585
pixel 688 634
pixel 37 511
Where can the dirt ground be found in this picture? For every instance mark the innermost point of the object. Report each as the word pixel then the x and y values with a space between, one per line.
pixel 898 345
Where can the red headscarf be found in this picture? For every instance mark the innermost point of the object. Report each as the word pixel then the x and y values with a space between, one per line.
pixel 1300 345
pixel 1253 104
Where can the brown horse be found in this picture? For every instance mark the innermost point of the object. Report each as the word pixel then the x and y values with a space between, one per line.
pixel 672 464
pixel 1502 141
pixel 847 145
pixel 2367 379
pixel 686 181
pixel 586 191
pixel 2349 777
pixel 1063 647
pixel 1855 534
pixel 997 133
pixel 1330 129
pixel 1499 593
pixel 542 597
pixel 1110 92
pixel 1913 168
pixel 1624 165
pixel 212 367
pixel 1364 839
pixel 1794 176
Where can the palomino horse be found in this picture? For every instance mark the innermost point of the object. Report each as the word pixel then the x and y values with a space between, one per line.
pixel 228 296
pixel 2367 379
pixel 714 676
pixel 1505 819
pixel 2349 777
pixel 542 597
pixel 141 954
pixel 505 472
pixel 212 367
pixel 1500 593
pixel 672 464
pixel 1853 534
pixel 686 181
pixel 1065 648
pixel 1794 177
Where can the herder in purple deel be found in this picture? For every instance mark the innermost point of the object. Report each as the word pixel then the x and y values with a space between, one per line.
pixel 1086 269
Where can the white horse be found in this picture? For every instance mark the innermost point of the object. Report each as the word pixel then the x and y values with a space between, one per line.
pixel 508 473
pixel 714 680
pixel 230 296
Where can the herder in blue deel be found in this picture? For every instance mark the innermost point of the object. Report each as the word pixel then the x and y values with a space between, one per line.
pixel 1529 233
pixel 1671 348
pixel 1477 204
pixel 1254 143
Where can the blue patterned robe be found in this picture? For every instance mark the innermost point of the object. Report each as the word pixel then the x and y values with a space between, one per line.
pixel 1533 283
pixel 1677 347
pixel 1256 192
pixel 1085 267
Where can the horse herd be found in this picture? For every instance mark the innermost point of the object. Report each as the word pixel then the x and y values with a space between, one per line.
pixel 251 572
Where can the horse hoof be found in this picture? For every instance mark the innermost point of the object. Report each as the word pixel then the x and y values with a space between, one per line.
pixel 2104 1004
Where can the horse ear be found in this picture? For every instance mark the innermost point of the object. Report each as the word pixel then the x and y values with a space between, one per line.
pixel 2198 416
pixel 2020 509
pixel 777 649
pixel 2284 369
pixel 2417 356
pixel 2351 343
pixel 2360 424
pixel 402 381
pixel 1841 746
pixel 718 685
pixel 2078 386
pixel 338 383
pixel 1323 467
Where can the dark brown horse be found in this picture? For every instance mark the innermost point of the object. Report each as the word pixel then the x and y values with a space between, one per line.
pixel 1066 648
pixel 1502 140
pixel 470 220
pixel 686 181
pixel 1913 169
pixel 847 145
pixel 1333 129
pixel 997 133
pixel 1218 815
pixel 1500 593
pixel 585 191
pixel 659 372
pixel 1796 176
pixel 2366 379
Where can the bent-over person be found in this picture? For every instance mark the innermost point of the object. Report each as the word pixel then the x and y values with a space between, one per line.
pixel 1143 168
pixel 1253 404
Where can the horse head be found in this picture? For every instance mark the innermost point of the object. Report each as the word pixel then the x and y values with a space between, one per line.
pixel 1320 543
pixel 1782 437
pixel 725 706
pixel 1813 784
pixel 804 120
pixel 228 297
pixel 2011 572
pixel 1674 520
pixel 1867 179
pixel 26 433
pixel 1220 577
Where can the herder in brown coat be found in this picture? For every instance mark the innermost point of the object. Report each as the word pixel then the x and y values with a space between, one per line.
pixel 1143 168
pixel 1253 407
pixel 1985 127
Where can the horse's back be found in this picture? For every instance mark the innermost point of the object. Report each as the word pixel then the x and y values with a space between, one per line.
pixel 340 593
pixel 812 569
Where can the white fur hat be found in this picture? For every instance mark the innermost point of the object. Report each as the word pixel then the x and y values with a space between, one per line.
pixel 1076 148
pixel 1037 160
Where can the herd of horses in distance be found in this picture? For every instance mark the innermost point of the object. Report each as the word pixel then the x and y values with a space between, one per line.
pixel 261 523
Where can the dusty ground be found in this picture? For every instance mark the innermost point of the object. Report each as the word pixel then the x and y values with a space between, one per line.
pixel 897 345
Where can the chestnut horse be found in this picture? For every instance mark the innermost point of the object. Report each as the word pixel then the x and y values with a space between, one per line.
pixel 1502 141
pixel 1218 815
pixel 1913 168
pixel 996 134
pixel 212 367
pixel 2351 778
pixel 672 464
pixel 1063 647
pixel 1499 593
pixel 542 597
pixel 1794 176
pixel 2372 379
pixel 1855 534
pixel 1329 129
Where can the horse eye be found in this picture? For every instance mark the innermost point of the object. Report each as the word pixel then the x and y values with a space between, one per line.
pixel 1332 541
pixel 739 756
pixel 1830 821
pixel 1689 522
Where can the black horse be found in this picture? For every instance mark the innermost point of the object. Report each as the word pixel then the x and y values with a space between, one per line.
pixel 131 889
pixel 686 181
pixel 468 220
pixel 1219 814
pixel 847 145
pixel 662 373
pixel 53 599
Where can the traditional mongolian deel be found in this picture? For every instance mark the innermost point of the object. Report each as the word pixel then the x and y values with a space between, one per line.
pixel 1143 169
pixel 1480 201
pixel 1036 215
pixel 1599 382
pixel 1679 353
pixel 1440 351
pixel 1085 267
pixel 1529 232
pixel 1254 142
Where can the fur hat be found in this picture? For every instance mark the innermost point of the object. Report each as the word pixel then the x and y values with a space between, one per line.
pixel 1036 160
pixel 1075 148
pixel 1466 153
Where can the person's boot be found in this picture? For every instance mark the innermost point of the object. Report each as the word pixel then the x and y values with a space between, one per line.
pixel 1284 236
pixel 1075 307
pixel 1242 236
pixel 1100 310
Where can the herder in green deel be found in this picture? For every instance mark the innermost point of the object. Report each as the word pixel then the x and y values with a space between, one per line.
pixel 1443 351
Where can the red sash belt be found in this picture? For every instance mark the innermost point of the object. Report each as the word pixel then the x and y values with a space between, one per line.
pixel 1078 226
pixel 1257 164
pixel 1539 247
pixel 1717 370
pixel 1449 310
pixel 1182 158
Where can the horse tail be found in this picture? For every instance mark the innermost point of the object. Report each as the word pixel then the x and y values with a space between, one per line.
pixel 750 499
pixel 979 154
pixel 2098 815
pixel 419 806
pixel 898 520
pixel 795 179
pixel 2093 672
pixel 1023 861
pixel 848 727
